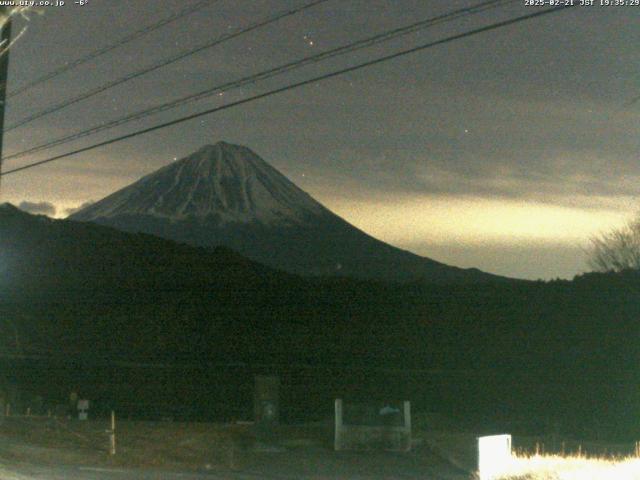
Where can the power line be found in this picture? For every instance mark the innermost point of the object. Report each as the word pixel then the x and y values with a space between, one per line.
pixel 163 63
pixel 292 86
pixel 103 50
pixel 217 89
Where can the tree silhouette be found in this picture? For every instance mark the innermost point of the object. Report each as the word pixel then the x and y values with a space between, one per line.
pixel 617 249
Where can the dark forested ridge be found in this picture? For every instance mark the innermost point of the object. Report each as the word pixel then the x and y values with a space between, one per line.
pixel 541 352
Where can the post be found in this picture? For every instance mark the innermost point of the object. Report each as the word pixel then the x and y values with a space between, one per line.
pixel 112 434
pixel 5 38
pixel 337 443
pixel 407 424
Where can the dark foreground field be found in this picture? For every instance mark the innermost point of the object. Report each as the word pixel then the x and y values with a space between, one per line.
pixel 58 448
pixel 52 448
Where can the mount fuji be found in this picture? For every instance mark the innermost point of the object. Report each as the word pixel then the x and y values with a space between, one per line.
pixel 225 194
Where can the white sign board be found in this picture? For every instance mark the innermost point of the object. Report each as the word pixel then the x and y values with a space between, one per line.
pixel 494 456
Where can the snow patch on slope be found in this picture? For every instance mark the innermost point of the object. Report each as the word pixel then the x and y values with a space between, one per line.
pixel 223 181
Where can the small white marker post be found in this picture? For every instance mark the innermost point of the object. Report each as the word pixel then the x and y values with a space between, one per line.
pixel 494 456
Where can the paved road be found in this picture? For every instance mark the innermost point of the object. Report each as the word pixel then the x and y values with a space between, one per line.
pixel 32 472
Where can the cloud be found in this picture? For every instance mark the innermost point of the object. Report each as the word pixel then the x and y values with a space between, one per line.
pixel 38 208
pixel 543 150
pixel 450 220
pixel 71 211
pixel 532 260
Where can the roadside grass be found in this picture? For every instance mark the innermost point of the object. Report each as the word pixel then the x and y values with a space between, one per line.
pixel 7 475
pixel 574 467
pixel 225 447
pixel 545 457
pixel 139 444
pixel 146 444
pixel 224 450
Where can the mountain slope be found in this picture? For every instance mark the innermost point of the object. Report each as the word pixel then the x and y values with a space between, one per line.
pixel 224 182
pixel 40 254
pixel 225 194
pixel 86 288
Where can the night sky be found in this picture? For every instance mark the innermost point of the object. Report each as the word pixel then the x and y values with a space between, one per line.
pixel 503 151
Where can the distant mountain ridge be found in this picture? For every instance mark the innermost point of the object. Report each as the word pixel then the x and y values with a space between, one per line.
pixel 225 194
pixel 37 252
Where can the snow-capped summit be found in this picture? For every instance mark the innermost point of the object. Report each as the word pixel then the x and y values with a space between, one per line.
pixel 227 195
pixel 229 183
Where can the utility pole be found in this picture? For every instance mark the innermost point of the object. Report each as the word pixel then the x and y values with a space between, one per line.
pixel 5 39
